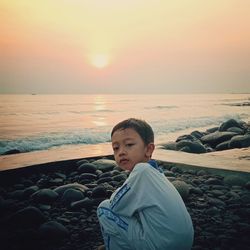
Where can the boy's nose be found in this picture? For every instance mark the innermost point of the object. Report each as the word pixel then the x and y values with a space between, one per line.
pixel 122 151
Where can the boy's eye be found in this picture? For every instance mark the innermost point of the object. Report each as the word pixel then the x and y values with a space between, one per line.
pixel 130 144
pixel 115 148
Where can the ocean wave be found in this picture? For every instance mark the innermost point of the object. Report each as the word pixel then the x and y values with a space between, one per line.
pixel 50 140
pixel 94 136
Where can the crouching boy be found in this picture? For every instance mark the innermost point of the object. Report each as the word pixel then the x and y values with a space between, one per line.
pixel 146 212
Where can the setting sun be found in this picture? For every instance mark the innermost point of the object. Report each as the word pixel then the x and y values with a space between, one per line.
pixel 100 61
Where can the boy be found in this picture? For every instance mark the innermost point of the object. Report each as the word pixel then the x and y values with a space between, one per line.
pixel 146 212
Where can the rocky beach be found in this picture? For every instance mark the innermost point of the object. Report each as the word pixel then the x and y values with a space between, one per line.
pixel 53 205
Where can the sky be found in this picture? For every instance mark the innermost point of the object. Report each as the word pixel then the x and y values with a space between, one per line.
pixel 124 46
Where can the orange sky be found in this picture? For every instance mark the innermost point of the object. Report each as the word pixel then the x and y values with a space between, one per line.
pixel 117 46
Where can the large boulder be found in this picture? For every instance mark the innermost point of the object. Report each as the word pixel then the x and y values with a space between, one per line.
pixel 240 141
pixel 228 124
pixel 87 168
pixel 217 137
pixel 194 146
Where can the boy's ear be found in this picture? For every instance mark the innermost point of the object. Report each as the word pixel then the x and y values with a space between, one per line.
pixel 150 149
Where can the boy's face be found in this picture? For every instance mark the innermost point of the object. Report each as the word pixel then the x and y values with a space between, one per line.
pixel 129 148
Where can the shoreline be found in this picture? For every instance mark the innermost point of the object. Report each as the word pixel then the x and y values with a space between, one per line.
pixel 228 160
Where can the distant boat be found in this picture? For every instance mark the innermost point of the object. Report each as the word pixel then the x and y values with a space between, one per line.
pixel 33 94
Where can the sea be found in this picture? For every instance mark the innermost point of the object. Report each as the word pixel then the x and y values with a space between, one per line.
pixel 40 122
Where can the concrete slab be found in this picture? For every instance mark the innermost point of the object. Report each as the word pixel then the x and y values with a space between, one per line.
pixel 233 160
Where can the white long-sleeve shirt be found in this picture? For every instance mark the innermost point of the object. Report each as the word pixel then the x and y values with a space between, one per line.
pixel 154 211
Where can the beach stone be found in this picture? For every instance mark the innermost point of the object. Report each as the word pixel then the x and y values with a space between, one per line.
pixel 85 203
pixel 197 134
pixel 169 145
pixel 222 146
pixel 71 195
pixel 120 177
pixel 87 176
pixel 201 172
pixel 99 191
pixel 17 194
pixel 80 162
pixel 228 124
pixel 105 165
pixel 213 181
pixel 236 130
pixel 186 149
pixel 212 130
pixel 168 173
pixel 196 190
pixel 217 137
pixel 216 202
pixel 212 211
pixel 87 168
pixel 60 190
pixel 28 217
pixel 247 185
pixel 11 152
pixel 240 141
pixel 105 179
pixel 185 138
pixel 234 180
pixel 53 230
pixel 106 174
pixel 45 196
pixel 182 187
pixel 194 146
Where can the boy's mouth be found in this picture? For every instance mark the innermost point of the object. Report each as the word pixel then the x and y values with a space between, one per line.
pixel 122 161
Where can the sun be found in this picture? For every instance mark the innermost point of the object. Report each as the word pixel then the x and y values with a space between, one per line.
pixel 100 61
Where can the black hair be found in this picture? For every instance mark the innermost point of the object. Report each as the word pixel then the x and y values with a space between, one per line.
pixel 140 126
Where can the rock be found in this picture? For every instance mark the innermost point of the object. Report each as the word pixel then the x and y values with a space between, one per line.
pixel 105 165
pixel 11 152
pixel 53 230
pixel 60 190
pixel 234 180
pixel 45 196
pixel 168 173
pixel 120 177
pixel 236 130
pixel 216 202
pixel 87 168
pixel 212 211
pixel 169 145
pixel 99 192
pixel 201 172
pixel 185 149
pixel 183 188
pixel 80 162
pixel 87 176
pixel 71 195
pixel 85 203
pixel 105 179
pixel 194 146
pixel 222 146
pixel 29 217
pixel 213 181
pixel 212 130
pixel 217 137
pixel 197 191
pixel 228 124
pixel 185 138
pixel 247 185
pixel 197 134
pixel 240 141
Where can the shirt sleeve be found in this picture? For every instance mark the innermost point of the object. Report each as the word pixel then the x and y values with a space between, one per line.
pixel 136 193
